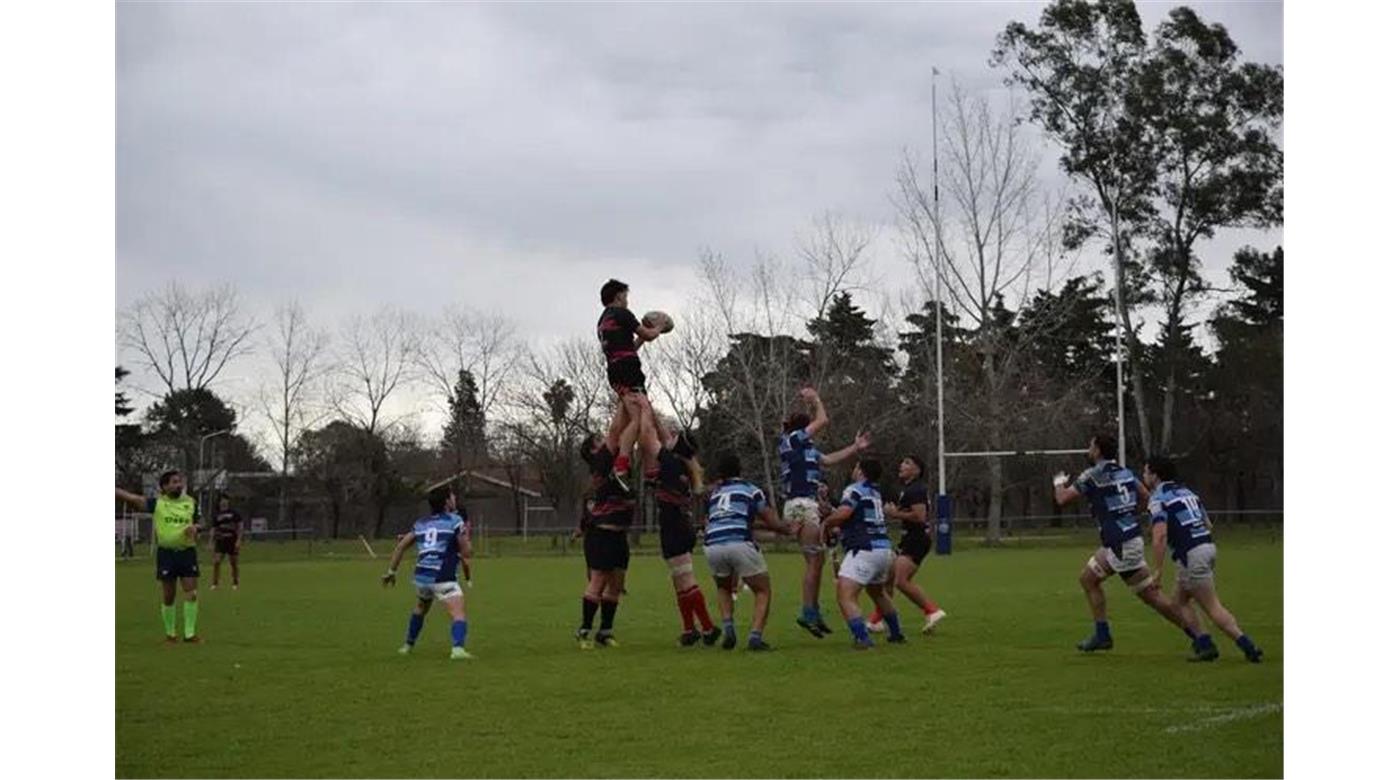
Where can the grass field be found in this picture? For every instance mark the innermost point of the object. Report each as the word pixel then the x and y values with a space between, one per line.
pixel 298 677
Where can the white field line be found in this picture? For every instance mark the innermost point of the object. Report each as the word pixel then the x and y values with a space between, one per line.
pixel 1236 714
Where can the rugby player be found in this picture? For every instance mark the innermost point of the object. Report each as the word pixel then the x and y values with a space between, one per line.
pixel 672 467
pixel 911 511
pixel 1114 495
pixel 869 555
pixel 605 547
pixel 621 334
pixel 731 509
pixel 443 539
pixel 801 465
pixel 228 539
pixel 1179 520
pixel 175 516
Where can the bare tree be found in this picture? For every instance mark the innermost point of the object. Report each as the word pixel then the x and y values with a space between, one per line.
pixel 997 232
pixel 296 351
pixel 461 339
pixel 375 360
pixel 187 338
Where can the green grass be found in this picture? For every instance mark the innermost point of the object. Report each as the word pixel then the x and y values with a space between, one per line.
pixel 299 678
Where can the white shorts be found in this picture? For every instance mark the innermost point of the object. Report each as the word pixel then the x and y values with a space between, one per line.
pixel 868 567
pixel 1131 559
pixel 803 511
pixel 1199 568
pixel 442 591
pixel 741 558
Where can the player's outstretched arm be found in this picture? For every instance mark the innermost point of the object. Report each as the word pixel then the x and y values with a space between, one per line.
pixel 819 418
pixel 839 516
pixel 390 577
pixel 770 518
pixel 861 443
pixel 1064 491
pixel 135 500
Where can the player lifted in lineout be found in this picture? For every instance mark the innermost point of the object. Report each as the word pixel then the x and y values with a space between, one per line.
pixel 869 555
pixel 801 473
pixel 621 334
pixel 1179 520
pixel 1114 495
pixel 175 516
pixel 443 539
pixel 671 466
pixel 731 509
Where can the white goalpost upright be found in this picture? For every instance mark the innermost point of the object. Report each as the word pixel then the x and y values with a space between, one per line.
pixel 943 506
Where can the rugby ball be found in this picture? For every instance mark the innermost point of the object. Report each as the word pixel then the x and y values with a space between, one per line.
pixel 659 320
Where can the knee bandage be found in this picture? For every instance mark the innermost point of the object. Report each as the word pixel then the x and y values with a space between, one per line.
pixel 1143 584
pixel 682 568
pixel 1097 568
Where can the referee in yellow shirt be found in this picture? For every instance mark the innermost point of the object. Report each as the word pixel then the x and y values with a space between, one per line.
pixel 174 515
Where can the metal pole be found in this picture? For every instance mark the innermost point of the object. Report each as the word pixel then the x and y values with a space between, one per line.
pixel 938 287
pixel 203 491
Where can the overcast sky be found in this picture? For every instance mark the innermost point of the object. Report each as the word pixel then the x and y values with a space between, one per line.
pixel 515 156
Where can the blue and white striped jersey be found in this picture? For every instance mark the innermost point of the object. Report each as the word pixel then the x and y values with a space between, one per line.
pixel 1112 492
pixel 801 464
pixel 436 538
pixel 1172 503
pixel 865 529
pixel 731 508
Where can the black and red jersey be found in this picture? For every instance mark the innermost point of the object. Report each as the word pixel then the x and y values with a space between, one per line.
pixel 611 504
pixel 672 479
pixel 617 333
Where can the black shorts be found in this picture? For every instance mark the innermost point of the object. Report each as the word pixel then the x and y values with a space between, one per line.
pixel 176 564
pixel 606 550
pixel 625 376
pixel 915 544
pixel 677 534
pixel 227 546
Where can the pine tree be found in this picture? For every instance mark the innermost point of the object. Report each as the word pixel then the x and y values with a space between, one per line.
pixel 464 435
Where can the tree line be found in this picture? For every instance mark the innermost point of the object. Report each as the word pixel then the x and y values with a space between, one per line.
pixel 1164 140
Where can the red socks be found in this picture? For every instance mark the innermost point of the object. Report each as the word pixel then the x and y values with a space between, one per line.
pixel 687 612
pixel 692 601
pixel 931 608
pixel 875 617
pixel 622 463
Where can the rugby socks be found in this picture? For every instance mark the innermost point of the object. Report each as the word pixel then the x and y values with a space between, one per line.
pixel 931 608
pixel 755 638
pixel 1245 644
pixel 685 604
pixel 729 627
pixel 875 617
pixel 167 617
pixel 857 626
pixel 811 613
pixel 1202 642
pixel 415 625
pixel 459 632
pixel 700 611
pixel 191 617
pixel 609 611
pixel 892 620
pixel 622 464
pixel 1101 629
pixel 590 608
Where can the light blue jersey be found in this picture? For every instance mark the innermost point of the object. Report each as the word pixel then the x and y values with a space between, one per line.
pixel 436 537
pixel 1172 503
pixel 865 529
pixel 800 463
pixel 732 508
pixel 1112 492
